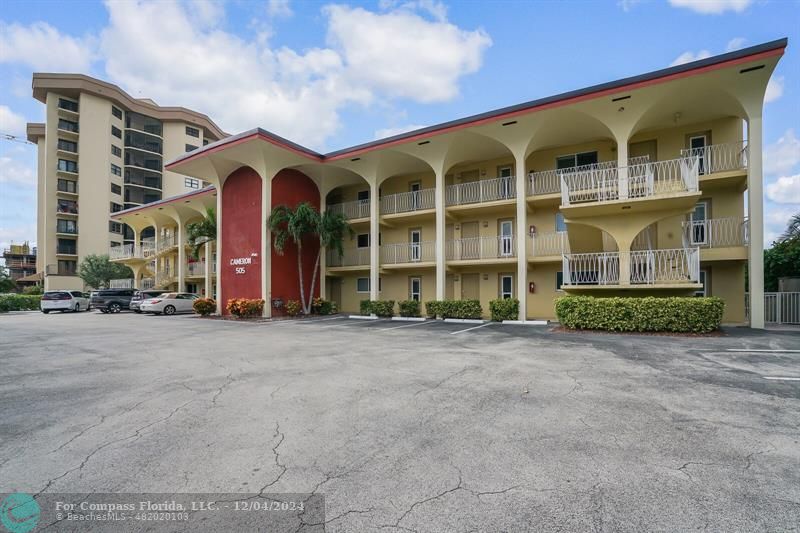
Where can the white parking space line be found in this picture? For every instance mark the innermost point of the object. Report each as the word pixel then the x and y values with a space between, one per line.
pixel 761 351
pixel 408 325
pixel 780 378
pixel 470 329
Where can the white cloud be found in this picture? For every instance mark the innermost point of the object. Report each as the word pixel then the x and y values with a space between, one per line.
pixel 17 234
pixel 389 132
pixel 12 171
pixel 627 5
pixel 437 10
pixel 735 44
pixel 42 47
pixel 785 190
pixel 279 8
pixel 712 7
pixel 776 218
pixel 774 89
pixel 11 123
pixel 688 57
pixel 782 157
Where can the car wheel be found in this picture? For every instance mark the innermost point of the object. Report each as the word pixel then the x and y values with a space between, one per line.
pixel 45 311
pixel 77 308
pixel 137 311
pixel 169 310
pixel 114 308
pixel 104 311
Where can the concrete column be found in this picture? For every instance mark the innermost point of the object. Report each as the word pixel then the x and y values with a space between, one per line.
pixel 323 257
pixel 622 165
pixel 374 241
pixel 266 245
pixel 181 269
pixel 441 220
pixel 220 304
pixel 208 269
pixel 137 247
pixel 522 235
pixel 755 206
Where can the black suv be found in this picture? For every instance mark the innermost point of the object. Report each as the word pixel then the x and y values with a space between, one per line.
pixel 112 300
pixel 140 296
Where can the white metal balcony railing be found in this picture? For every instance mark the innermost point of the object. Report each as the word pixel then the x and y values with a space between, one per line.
pixel 121 283
pixel 351 210
pixel 198 268
pixel 719 157
pixel 406 202
pixel 166 242
pixel 480 191
pixel 408 252
pixel 350 257
pixel 116 253
pixel 717 232
pixel 147 283
pixel 549 181
pixel 550 243
pixel 148 247
pixel 646 267
pixel 636 181
pixel 496 247
pixel 164 276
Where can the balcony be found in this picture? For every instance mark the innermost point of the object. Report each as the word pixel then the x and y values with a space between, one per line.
pixel 119 253
pixel 164 277
pixel 496 249
pixel 717 158
pixel 408 202
pixel 148 247
pixel 409 254
pixel 481 192
pixel 352 257
pixel 551 244
pixel 167 242
pixel 144 142
pixel 121 283
pixel 718 238
pixel 677 268
pixel 66 207
pixel 549 181
pixel 147 283
pixel 196 269
pixel 67 229
pixel 66 250
pixel 351 210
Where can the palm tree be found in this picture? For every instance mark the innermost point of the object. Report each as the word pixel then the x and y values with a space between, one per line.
pixel 304 220
pixel 792 232
pixel 202 232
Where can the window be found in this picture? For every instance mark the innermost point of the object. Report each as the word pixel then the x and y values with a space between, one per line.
pixel 77 294
pixel 191 183
pixel 69 105
pixel 697 144
pixel 559 280
pixel 363 240
pixel 67 166
pixel 67 125
pixel 363 196
pixel 66 246
pixel 698 219
pixel 576 160
pixel 506 286
pixel 67 146
pixel 116 189
pixel 115 227
pixel 415 238
pixel 191 147
pixel 415 289
pixel 362 284
pixel 116 170
pixel 703 277
pixel 115 207
pixel 114 244
pixel 67 268
pixel 205 142
pixel 67 185
pixel 117 112
pixel 116 132
pixel 66 226
pixel 192 132
pixel 506 238
pixel 116 150
pixel 67 206
pixel 560 224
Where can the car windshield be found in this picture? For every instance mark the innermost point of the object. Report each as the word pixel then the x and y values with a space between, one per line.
pixel 169 295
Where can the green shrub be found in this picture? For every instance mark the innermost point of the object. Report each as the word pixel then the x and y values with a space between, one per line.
pixel 382 308
pixel 670 314
pixel 454 308
pixel 19 302
pixel 504 309
pixel 32 289
pixel 245 308
pixel 293 307
pixel 204 306
pixel 323 307
pixel 409 308
pixel 365 307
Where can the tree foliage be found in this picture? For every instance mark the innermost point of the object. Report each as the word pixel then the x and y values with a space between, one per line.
pixel 782 260
pixel 97 271
pixel 6 283
pixel 199 233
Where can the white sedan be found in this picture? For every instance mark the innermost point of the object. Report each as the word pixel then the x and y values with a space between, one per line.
pixel 64 301
pixel 169 303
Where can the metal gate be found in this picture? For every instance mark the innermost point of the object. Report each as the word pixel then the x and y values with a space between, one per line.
pixel 779 307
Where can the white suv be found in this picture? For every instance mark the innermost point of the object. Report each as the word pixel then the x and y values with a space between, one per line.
pixel 64 301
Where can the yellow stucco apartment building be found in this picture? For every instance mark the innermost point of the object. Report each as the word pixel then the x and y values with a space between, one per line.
pixel 634 187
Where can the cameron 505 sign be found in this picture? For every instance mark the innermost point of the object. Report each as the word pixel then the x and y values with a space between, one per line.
pixel 240 264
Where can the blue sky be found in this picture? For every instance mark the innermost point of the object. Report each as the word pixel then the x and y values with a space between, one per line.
pixel 331 75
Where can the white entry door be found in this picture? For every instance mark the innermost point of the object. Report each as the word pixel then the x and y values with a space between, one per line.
pixel 506 238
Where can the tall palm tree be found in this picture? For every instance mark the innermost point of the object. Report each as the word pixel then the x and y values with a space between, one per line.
pixel 332 230
pixel 792 232
pixel 286 223
pixel 202 232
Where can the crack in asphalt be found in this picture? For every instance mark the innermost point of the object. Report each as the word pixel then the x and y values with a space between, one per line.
pixel 446 379
pixel 277 455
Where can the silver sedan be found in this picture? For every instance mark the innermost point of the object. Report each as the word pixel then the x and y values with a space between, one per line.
pixel 169 303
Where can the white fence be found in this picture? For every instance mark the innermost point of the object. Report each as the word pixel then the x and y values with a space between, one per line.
pixel 481 248
pixel 779 307
pixel 719 157
pixel 167 242
pixel 646 267
pixel 549 181
pixel 591 268
pixel 147 283
pixel 408 252
pixel 121 283
pixel 350 257
pixel 351 210
pixel 551 243
pixel 116 253
pixel 480 191
pixel 717 232
pixel 406 202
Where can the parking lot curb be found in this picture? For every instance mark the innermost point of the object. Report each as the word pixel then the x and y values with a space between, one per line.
pixel 409 318
pixel 464 320
pixel 364 317
pixel 526 322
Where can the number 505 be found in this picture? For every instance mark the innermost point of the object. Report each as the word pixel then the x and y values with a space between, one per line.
pixel 240 270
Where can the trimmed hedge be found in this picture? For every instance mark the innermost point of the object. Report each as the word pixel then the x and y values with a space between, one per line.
pixel 504 309
pixel 19 302
pixel 204 306
pixel 381 308
pixel 323 307
pixel 670 314
pixel 454 308
pixel 409 308
pixel 245 307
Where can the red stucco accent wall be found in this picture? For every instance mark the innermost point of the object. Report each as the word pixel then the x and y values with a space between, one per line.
pixel 290 187
pixel 241 235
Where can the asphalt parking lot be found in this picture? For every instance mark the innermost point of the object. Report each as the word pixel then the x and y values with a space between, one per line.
pixel 410 426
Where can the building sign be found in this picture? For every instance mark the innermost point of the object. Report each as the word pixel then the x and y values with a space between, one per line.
pixel 240 264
